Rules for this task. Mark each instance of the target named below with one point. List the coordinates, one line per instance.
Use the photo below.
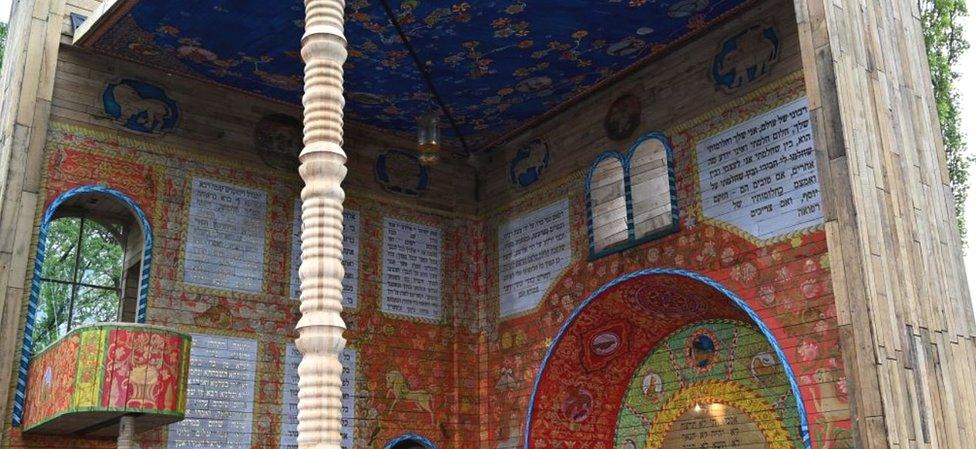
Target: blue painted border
(625, 159)
(794, 385)
(414, 437)
(26, 350)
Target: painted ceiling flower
(501, 22)
(515, 8)
(454, 60)
(169, 30)
(580, 34)
(359, 16)
(196, 54)
(462, 12)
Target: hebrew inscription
(761, 175)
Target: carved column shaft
(127, 430)
(323, 169)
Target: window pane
(51, 318)
(62, 246)
(101, 256)
(95, 305)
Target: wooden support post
(323, 169)
(127, 431)
(902, 301)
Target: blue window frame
(626, 161)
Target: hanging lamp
(429, 137)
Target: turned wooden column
(323, 169)
(127, 430)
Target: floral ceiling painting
(497, 63)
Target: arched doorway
(410, 441)
(660, 359)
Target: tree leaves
(3, 40)
(99, 264)
(942, 27)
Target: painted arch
(35, 288)
(604, 352)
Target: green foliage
(3, 40)
(942, 25)
(99, 264)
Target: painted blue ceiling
(497, 63)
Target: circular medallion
(278, 139)
(605, 343)
(577, 404)
(622, 118)
(702, 350)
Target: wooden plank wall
(903, 303)
(208, 125)
(28, 83)
(36, 28)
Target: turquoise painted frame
(739, 302)
(410, 436)
(26, 351)
(624, 160)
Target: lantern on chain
(429, 137)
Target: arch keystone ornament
(323, 169)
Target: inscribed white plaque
(220, 395)
(411, 269)
(350, 256)
(532, 250)
(761, 175)
(225, 236)
(289, 401)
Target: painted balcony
(83, 383)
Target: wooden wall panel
(212, 126)
(903, 301)
(25, 105)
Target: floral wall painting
(140, 107)
(401, 173)
(623, 117)
(278, 140)
(529, 162)
(746, 57)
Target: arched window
(607, 201)
(92, 265)
(631, 198)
